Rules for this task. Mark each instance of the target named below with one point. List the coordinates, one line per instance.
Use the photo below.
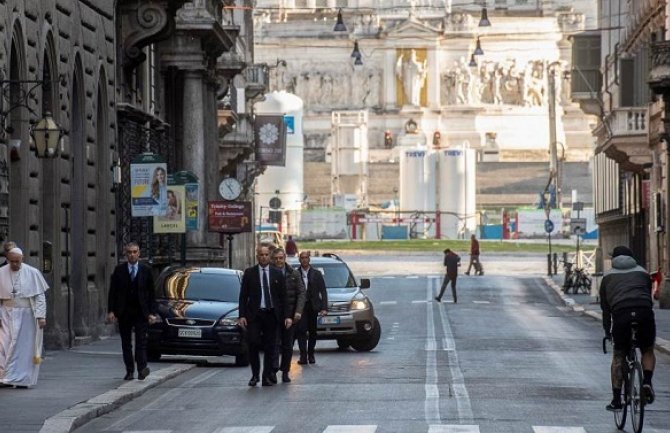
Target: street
(508, 358)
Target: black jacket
(119, 288)
(295, 290)
(316, 293)
(250, 294)
(626, 285)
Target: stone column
(194, 155)
(389, 79)
(433, 79)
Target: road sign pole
(549, 256)
(230, 250)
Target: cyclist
(625, 297)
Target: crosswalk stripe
(249, 429)
(419, 301)
(433, 428)
(351, 429)
(481, 302)
(147, 431)
(546, 429)
(388, 302)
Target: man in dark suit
(263, 308)
(316, 304)
(131, 302)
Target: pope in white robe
(22, 318)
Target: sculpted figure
(413, 76)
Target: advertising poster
(270, 135)
(174, 220)
(191, 206)
(148, 185)
(229, 216)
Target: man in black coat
(316, 304)
(263, 308)
(295, 299)
(131, 302)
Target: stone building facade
(415, 60)
(121, 78)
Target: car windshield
(336, 275)
(201, 286)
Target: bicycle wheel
(620, 415)
(635, 398)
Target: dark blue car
(198, 310)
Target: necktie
(133, 272)
(266, 289)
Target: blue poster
(289, 121)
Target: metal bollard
(549, 264)
(555, 263)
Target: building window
(586, 75)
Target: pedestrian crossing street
(435, 428)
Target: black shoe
(266, 381)
(302, 360)
(467, 273)
(20, 387)
(253, 381)
(272, 377)
(143, 373)
(129, 376)
(285, 378)
(311, 359)
(438, 299)
(648, 393)
(614, 406)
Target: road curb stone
(74, 417)
(662, 345)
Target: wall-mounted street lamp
(339, 25)
(484, 20)
(47, 136)
(473, 61)
(478, 49)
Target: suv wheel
(242, 360)
(343, 344)
(153, 355)
(371, 341)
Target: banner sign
(229, 216)
(191, 197)
(148, 185)
(290, 124)
(270, 136)
(174, 221)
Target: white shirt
(260, 273)
(304, 273)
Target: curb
(662, 345)
(81, 413)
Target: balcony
(625, 137)
(257, 80)
(659, 77)
(627, 122)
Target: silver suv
(351, 318)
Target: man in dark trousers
(451, 261)
(291, 247)
(316, 303)
(131, 302)
(263, 308)
(295, 299)
(474, 257)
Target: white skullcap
(15, 250)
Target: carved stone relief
(498, 83)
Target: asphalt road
(508, 358)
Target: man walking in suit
(295, 299)
(263, 308)
(451, 261)
(131, 302)
(316, 303)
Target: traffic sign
(275, 203)
(578, 226)
(548, 226)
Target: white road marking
(250, 429)
(412, 277)
(481, 302)
(453, 429)
(457, 380)
(419, 301)
(387, 302)
(431, 406)
(544, 429)
(350, 429)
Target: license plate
(329, 320)
(189, 333)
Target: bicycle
(631, 390)
(577, 279)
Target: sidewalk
(76, 386)
(590, 306)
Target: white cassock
(22, 301)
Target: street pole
(553, 151)
(230, 250)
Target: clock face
(230, 188)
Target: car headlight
(360, 304)
(228, 321)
